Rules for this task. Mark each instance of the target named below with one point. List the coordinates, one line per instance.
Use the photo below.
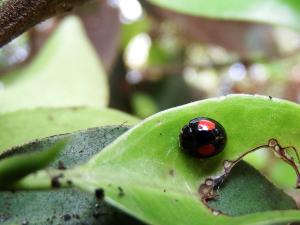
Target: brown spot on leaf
(55, 183)
(121, 192)
(50, 118)
(172, 172)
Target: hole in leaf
(246, 191)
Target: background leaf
(258, 11)
(25, 125)
(14, 167)
(66, 73)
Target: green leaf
(282, 174)
(14, 167)
(69, 206)
(19, 127)
(66, 73)
(266, 11)
(146, 174)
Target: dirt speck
(66, 217)
(55, 183)
(96, 214)
(99, 193)
(61, 165)
(76, 216)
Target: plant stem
(17, 16)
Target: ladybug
(202, 137)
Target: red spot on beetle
(206, 125)
(206, 150)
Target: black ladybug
(202, 137)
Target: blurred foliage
(255, 10)
(143, 105)
(49, 81)
(15, 52)
(129, 30)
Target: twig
(17, 16)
